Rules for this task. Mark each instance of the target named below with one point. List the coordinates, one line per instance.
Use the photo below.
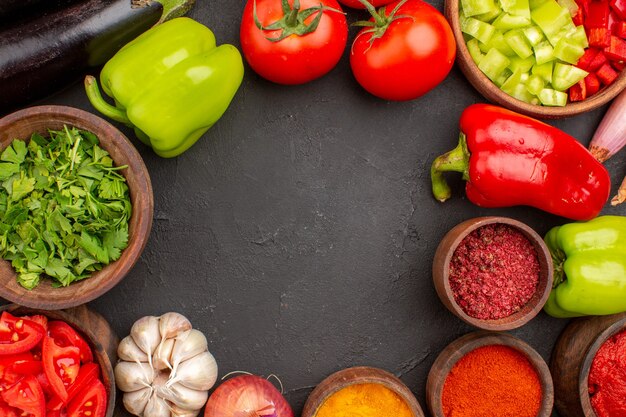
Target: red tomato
(64, 335)
(91, 401)
(86, 375)
(61, 365)
(26, 396)
(356, 4)
(413, 55)
(6, 410)
(18, 335)
(296, 59)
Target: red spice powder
(494, 272)
(492, 381)
(607, 378)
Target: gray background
(298, 233)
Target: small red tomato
(294, 44)
(406, 51)
(356, 4)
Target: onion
(247, 395)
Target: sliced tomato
(57, 413)
(13, 366)
(61, 365)
(91, 401)
(6, 410)
(64, 335)
(27, 397)
(39, 319)
(45, 385)
(18, 334)
(86, 375)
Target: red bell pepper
(592, 84)
(585, 61)
(619, 7)
(616, 51)
(619, 30)
(578, 92)
(606, 74)
(509, 159)
(598, 14)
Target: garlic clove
(181, 412)
(145, 333)
(133, 376)
(188, 345)
(135, 402)
(184, 397)
(172, 324)
(198, 373)
(156, 407)
(129, 351)
(162, 355)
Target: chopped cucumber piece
(509, 85)
(570, 5)
(474, 50)
(534, 35)
(522, 64)
(544, 71)
(579, 36)
(489, 16)
(517, 7)
(476, 7)
(520, 92)
(508, 21)
(493, 64)
(544, 52)
(564, 76)
(551, 18)
(569, 51)
(517, 41)
(502, 78)
(550, 97)
(497, 41)
(535, 3)
(477, 29)
(535, 84)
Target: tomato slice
(87, 373)
(64, 335)
(27, 396)
(91, 401)
(6, 410)
(18, 334)
(12, 367)
(57, 413)
(39, 319)
(61, 365)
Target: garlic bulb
(165, 368)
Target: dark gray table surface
(298, 233)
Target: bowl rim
(354, 376)
(467, 343)
(585, 368)
(445, 252)
(492, 92)
(106, 365)
(141, 216)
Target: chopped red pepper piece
(616, 51)
(585, 61)
(619, 66)
(599, 37)
(597, 61)
(619, 30)
(619, 7)
(592, 84)
(597, 15)
(606, 74)
(578, 92)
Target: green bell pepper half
(171, 84)
(589, 268)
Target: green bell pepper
(589, 267)
(171, 84)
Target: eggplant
(14, 10)
(42, 55)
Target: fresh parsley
(64, 207)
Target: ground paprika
(607, 378)
(492, 381)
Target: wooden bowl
(572, 357)
(359, 375)
(22, 124)
(441, 273)
(492, 93)
(96, 331)
(465, 344)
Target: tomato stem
(382, 20)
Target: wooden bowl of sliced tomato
(52, 364)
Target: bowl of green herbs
(76, 207)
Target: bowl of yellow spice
(362, 391)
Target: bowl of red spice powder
(589, 367)
(488, 374)
(494, 273)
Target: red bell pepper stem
(621, 194)
(457, 160)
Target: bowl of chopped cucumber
(76, 207)
(543, 58)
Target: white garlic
(166, 369)
(129, 351)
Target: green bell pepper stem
(171, 8)
(457, 160)
(98, 102)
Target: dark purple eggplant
(45, 54)
(14, 10)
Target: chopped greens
(64, 207)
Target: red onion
(247, 396)
(610, 137)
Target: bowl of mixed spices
(589, 367)
(75, 207)
(362, 391)
(494, 273)
(489, 374)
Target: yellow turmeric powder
(364, 400)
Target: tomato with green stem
(356, 4)
(293, 41)
(405, 50)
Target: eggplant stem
(175, 8)
(98, 102)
